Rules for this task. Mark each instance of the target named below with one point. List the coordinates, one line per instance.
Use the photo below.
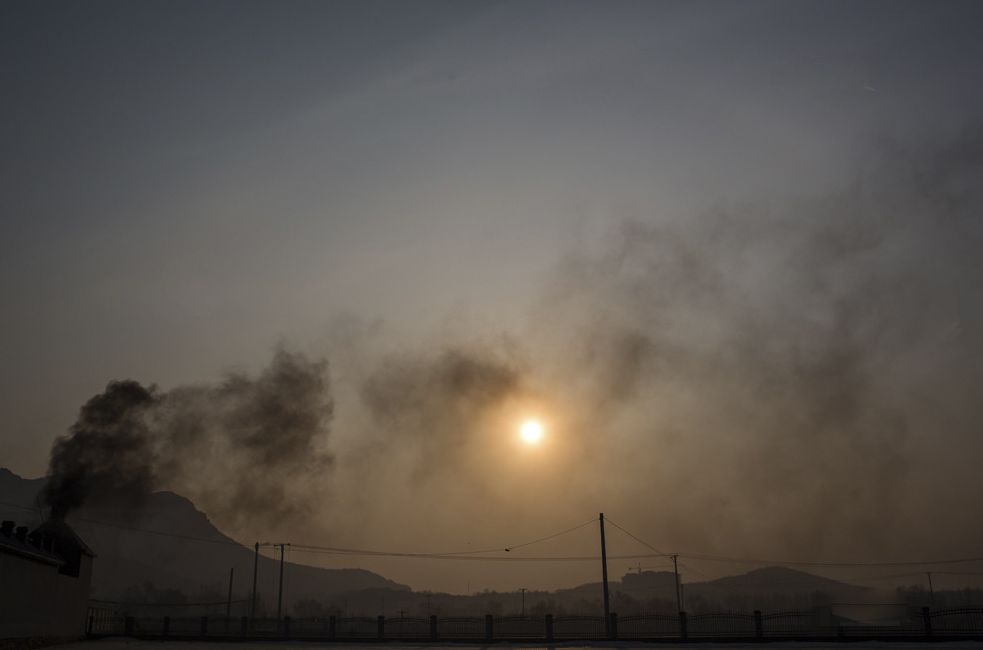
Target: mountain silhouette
(171, 545)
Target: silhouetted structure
(46, 577)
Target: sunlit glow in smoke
(531, 432)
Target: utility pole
(279, 598)
(228, 604)
(523, 590)
(279, 603)
(252, 611)
(604, 578)
(675, 570)
(931, 592)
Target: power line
(470, 555)
(461, 555)
(637, 539)
(715, 558)
(893, 576)
(692, 570)
(779, 563)
(160, 532)
(958, 573)
(447, 556)
(587, 523)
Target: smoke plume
(793, 379)
(794, 373)
(437, 404)
(785, 379)
(240, 449)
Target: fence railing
(818, 624)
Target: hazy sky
(729, 252)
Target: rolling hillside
(171, 545)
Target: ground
(118, 643)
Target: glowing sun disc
(531, 431)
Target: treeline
(919, 596)
(148, 600)
(536, 603)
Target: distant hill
(171, 545)
(186, 553)
(17, 496)
(776, 579)
(769, 589)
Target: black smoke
(106, 451)
(240, 448)
(792, 378)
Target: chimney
(21, 534)
(7, 528)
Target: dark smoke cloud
(111, 433)
(794, 379)
(241, 449)
(791, 378)
(781, 370)
(436, 403)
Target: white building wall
(38, 602)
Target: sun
(531, 431)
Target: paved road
(123, 643)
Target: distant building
(649, 581)
(46, 577)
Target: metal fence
(819, 624)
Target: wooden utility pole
(228, 604)
(279, 603)
(675, 570)
(279, 598)
(604, 579)
(252, 610)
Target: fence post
(682, 626)
(758, 630)
(381, 622)
(927, 621)
(286, 626)
(166, 629)
(433, 627)
(88, 627)
(489, 627)
(332, 627)
(614, 626)
(204, 626)
(128, 626)
(244, 625)
(549, 627)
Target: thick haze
(317, 262)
